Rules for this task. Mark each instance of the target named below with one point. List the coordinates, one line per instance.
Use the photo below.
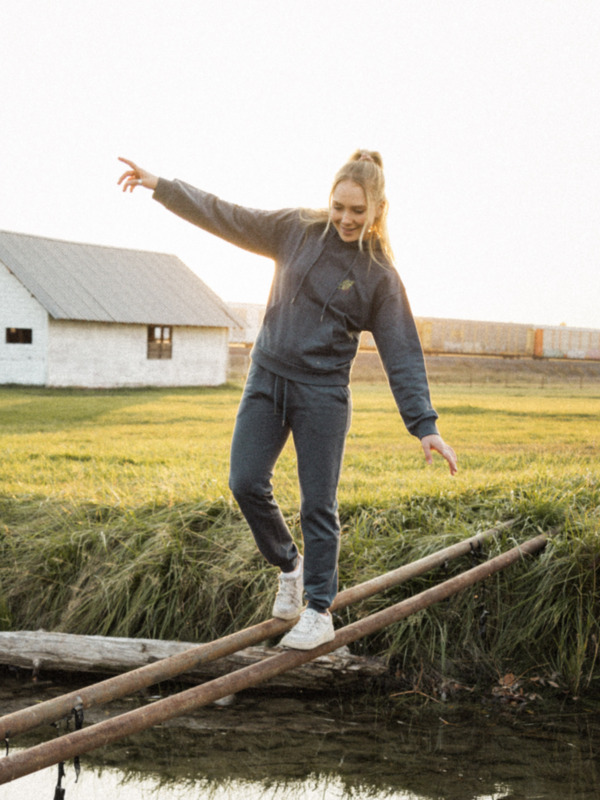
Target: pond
(305, 747)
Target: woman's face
(349, 210)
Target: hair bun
(367, 155)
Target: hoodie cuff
(426, 428)
(161, 189)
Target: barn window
(19, 336)
(160, 341)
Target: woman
(334, 277)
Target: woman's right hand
(136, 176)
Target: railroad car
(564, 342)
(470, 337)
(474, 337)
(465, 337)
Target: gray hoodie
(325, 292)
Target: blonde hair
(365, 168)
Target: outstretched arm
(136, 176)
(261, 232)
(435, 442)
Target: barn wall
(21, 363)
(111, 355)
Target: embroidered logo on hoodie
(345, 285)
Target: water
(304, 748)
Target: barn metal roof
(108, 284)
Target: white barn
(100, 317)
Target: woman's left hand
(136, 176)
(435, 442)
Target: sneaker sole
(290, 616)
(306, 645)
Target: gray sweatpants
(318, 418)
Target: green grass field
(115, 518)
(159, 446)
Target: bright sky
(486, 113)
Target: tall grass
(115, 518)
(181, 571)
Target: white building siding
(102, 355)
(21, 363)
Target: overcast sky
(486, 112)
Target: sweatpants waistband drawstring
(275, 394)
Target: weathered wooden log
(46, 651)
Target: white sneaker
(288, 603)
(311, 630)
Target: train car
(563, 342)
(470, 337)
(475, 337)
(464, 337)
